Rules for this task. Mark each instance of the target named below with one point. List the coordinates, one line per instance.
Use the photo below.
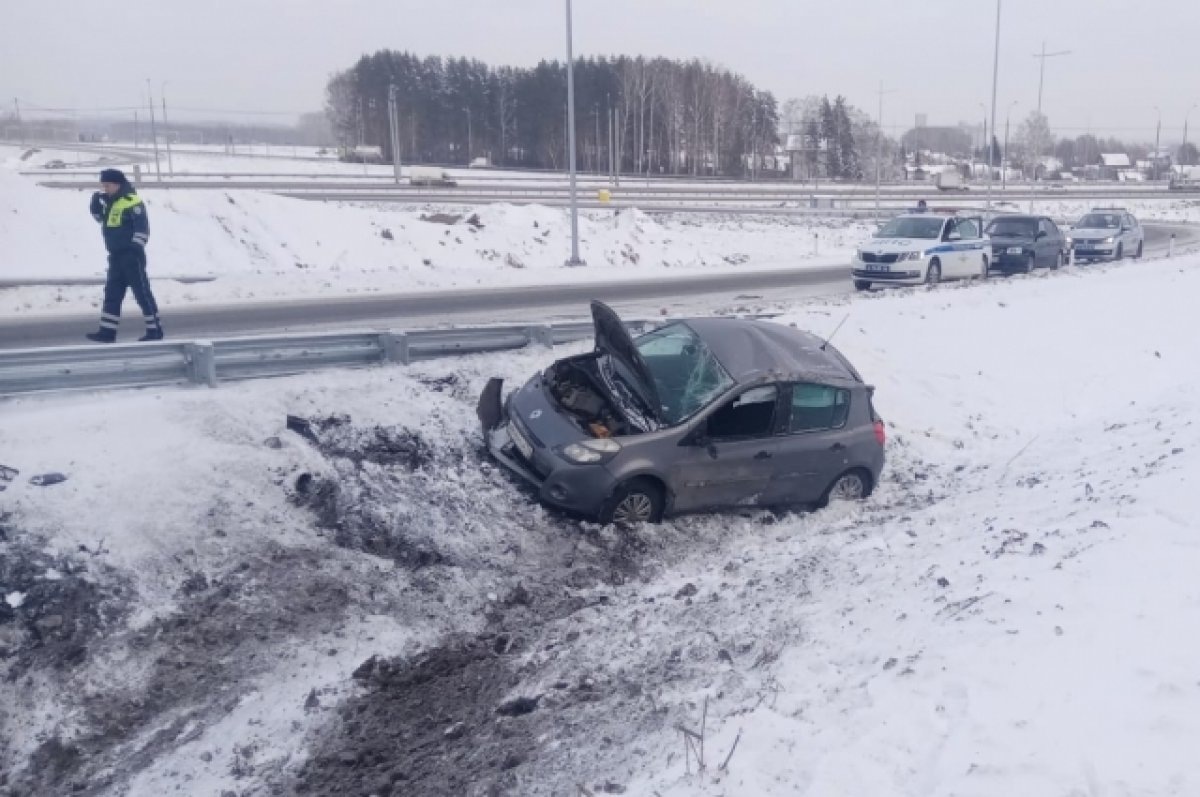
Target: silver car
(1107, 234)
(695, 415)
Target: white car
(921, 248)
(1107, 234)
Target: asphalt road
(707, 292)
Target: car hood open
(613, 339)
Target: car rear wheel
(634, 502)
(933, 275)
(853, 485)
(986, 269)
(862, 285)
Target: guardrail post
(395, 347)
(202, 360)
(541, 335)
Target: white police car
(921, 248)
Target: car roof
(751, 348)
(1018, 217)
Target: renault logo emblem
(533, 416)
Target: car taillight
(880, 433)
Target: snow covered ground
(210, 604)
(260, 246)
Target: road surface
(538, 303)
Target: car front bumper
(910, 272)
(1003, 261)
(1105, 252)
(578, 489)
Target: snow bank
(1008, 614)
(262, 246)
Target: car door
(1134, 236)
(1054, 242)
(967, 247)
(951, 256)
(812, 449)
(729, 458)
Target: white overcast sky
(936, 55)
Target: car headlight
(908, 256)
(1110, 239)
(1070, 241)
(591, 451)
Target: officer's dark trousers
(127, 272)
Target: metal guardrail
(25, 371)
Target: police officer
(126, 227)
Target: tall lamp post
(995, 79)
(574, 261)
(1157, 141)
(879, 148)
(1183, 146)
(468, 110)
(1004, 161)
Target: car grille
(871, 257)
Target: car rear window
(817, 407)
(1012, 227)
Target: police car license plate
(877, 267)
(518, 439)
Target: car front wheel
(634, 502)
(1120, 255)
(934, 274)
(1141, 245)
(1058, 261)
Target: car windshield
(686, 373)
(1100, 221)
(909, 227)
(1012, 227)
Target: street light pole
(1004, 161)
(995, 79)
(574, 261)
(167, 131)
(1157, 140)
(394, 129)
(1183, 146)
(879, 148)
(468, 110)
(154, 131)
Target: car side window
(951, 231)
(818, 407)
(967, 228)
(751, 414)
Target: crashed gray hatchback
(695, 415)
